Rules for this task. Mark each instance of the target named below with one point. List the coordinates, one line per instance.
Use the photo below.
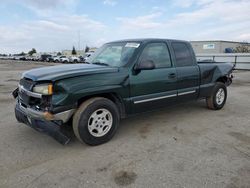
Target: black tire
(75, 61)
(56, 61)
(212, 103)
(65, 61)
(82, 117)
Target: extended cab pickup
(122, 78)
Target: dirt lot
(183, 146)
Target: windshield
(114, 54)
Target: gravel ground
(182, 146)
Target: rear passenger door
(188, 73)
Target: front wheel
(218, 97)
(96, 121)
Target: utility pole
(79, 40)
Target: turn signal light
(48, 116)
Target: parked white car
(74, 59)
(18, 57)
(87, 56)
(64, 59)
(56, 59)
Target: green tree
(86, 49)
(22, 54)
(32, 51)
(73, 51)
(59, 54)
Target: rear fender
(224, 73)
(211, 73)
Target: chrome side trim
(187, 92)
(153, 99)
(29, 93)
(164, 97)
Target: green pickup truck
(122, 78)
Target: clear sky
(55, 25)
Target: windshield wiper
(99, 63)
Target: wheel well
(222, 79)
(111, 96)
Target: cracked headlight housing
(44, 89)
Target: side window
(183, 55)
(157, 52)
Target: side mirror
(145, 65)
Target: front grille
(24, 98)
(28, 85)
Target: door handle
(172, 75)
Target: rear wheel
(218, 97)
(96, 121)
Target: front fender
(69, 91)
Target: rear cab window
(183, 55)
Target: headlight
(45, 89)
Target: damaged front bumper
(39, 123)
(45, 122)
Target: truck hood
(53, 73)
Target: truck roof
(148, 40)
